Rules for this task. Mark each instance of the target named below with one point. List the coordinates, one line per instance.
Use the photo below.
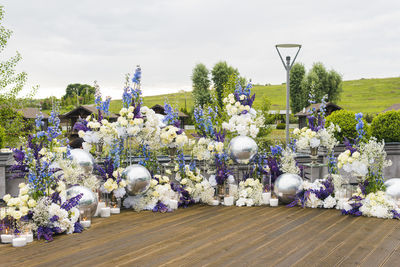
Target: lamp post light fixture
(288, 66)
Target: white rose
(81, 134)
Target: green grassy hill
(365, 95)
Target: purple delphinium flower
(72, 202)
(78, 228)
(161, 207)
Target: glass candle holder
(85, 217)
(19, 240)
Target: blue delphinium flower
(276, 150)
(360, 126)
(171, 115)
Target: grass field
(365, 95)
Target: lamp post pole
(288, 66)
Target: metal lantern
(393, 188)
(286, 186)
(242, 149)
(137, 179)
(89, 198)
(84, 159)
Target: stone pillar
(4, 161)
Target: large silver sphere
(286, 186)
(393, 188)
(84, 159)
(89, 199)
(137, 179)
(242, 149)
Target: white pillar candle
(215, 202)
(115, 210)
(273, 202)
(19, 242)
(86, 224)
(105, 212)
(100, 205)
(6, 238)
(28, 237)
(228, 201)
(266, 197)
(173, 204)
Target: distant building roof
(31, 113)
(330, 107)
(160, 110)
(89, 109)
(393, 107)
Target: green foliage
(74, 93)
(201, 84)
(281, 126)
(347, 123)
(263, 134)
(298, 98)
(386, 126)
(220, 76)
(2, 137)
(321, 82)
(11, 84)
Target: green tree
(220, 76)
(298, 99)
(201, 84)
(11, 84)
(321, 82)
(85, 94)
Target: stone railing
(10, 186)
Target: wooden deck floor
(220, 236)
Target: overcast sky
(64, 42)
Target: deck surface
(220, 236)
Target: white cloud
(82, 41)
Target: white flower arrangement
(313, 201)
(19, 206)
(72, 173)
(170, 137)
(234, 107)
(307, 138)
(250, 193)
(126, 125)
(200, 149)
(159, 190)
(371, 155)
(353, 163)
(197, 186)
(378, 205)
(288, 162)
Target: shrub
(386, 126)
(281, 126)
(347, 123)
(2, 136)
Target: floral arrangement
(243, 119)
(190, 178)
(48, 215)
(172, 135)
(316, 135)
(318, 194)
(72, 173)
(288, 162)
(250, 193)
(157, 198)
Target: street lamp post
(288, 66)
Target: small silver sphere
(286, 186)
(242, 149)
(89, 198)
(137, 179)
(393, 188)
(84, 159)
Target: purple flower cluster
(185, 200)
(161, 207)
(356, 205)
(248, 100)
